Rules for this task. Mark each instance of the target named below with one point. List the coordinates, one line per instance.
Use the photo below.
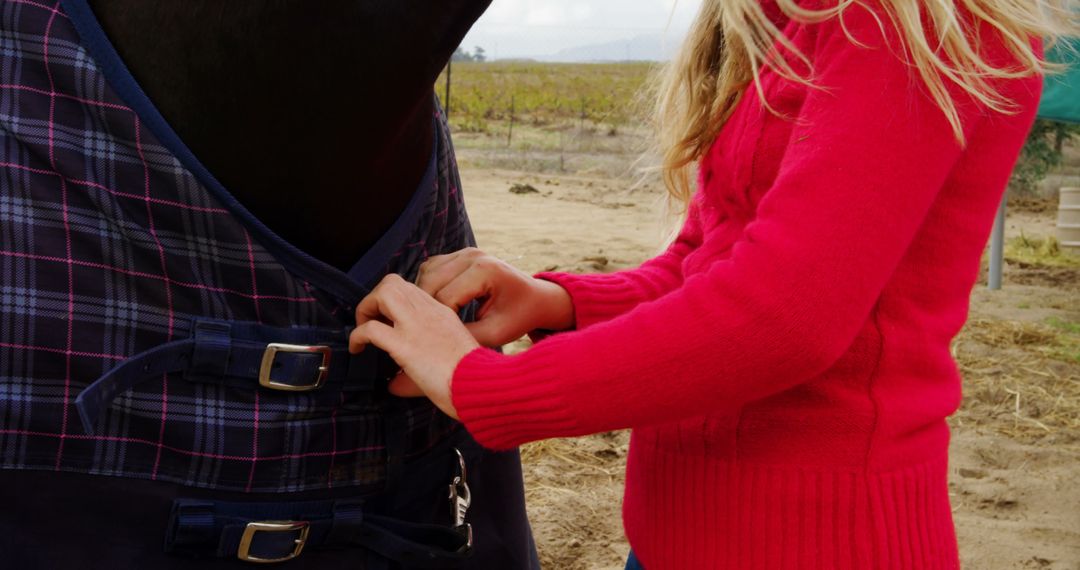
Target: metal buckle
(268, 364)
(460, 500)
(272, 526)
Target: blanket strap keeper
(277, 532)
(245, 355)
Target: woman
(785, 363)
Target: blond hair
(733, 40)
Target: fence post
(562, 148)
(510, 135)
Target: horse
(316, 115)
(214, 147)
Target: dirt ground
(1016, 445)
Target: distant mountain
(640, 48)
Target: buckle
(268, 364)
(460, 501)
(244, 552)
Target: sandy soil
(1016, 445)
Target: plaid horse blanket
(137, 297)
(114, 240)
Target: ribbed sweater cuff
(505, 401)
(597, 297)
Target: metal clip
(460, 499)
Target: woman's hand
(425, 338)
(514, 303)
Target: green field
(540, 94)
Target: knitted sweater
(785, 364)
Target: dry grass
(1036, 260)
(1035, 250)
(1021, 379)
(544, 93)
(575, 487)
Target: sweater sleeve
(867, 157)
(601, 297)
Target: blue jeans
(632, 563)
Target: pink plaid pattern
(110, 246)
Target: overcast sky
(523, 28)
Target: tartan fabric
(110, 245)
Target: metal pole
(997, 248)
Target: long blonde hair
(733, 40)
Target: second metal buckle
(460, 500)
(271, 353)
(244, 552)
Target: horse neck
(287, 97)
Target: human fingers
(473, 283)
(382, 301)
(380, 334)
(435, 261)
(403, 386)
(494, 330)
(437, 271)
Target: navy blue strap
(215, 528)
(231, 353)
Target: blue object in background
(1061, 92)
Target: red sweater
(785, 364)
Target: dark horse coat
(332, 98)
(137, 301)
